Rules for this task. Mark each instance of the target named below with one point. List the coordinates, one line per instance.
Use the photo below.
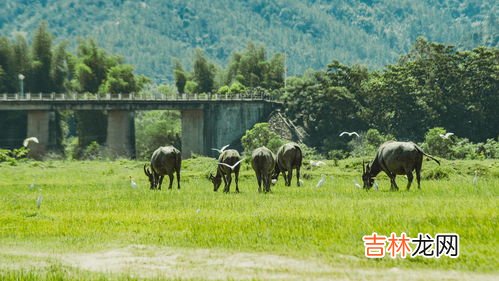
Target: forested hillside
(150, 34)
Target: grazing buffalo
(289, 157)
(228, 162)
(164, 161)
(395, 158)
(263, 162)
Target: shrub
(261, 135)
(368, 142)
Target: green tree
(22, 60)
(203, 73)
(260, 135)
(180, 77)
(42, 59)
(59, 68)
(120, 79)
(8, 78)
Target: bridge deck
(73, 101)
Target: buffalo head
(150, 175)
(367, 178)
(217, 181)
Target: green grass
(90, 206)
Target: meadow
(90, 207)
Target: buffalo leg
(418, 173)
(290, 176)
(259, 179)
(159, 181)
(298, 176)
(237, 181)
(393, 183)
(227, 183)
(410, 178)
(178, 179)
(285, 178)
(170, 176)
(267, 183)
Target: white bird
(273, 181)
(32, 185)
(133, 184)
(321, 181)
(39, 201)
(349, 134)
(376, 186)
(447, 135)
(301, 182)
(356, 184)
(475, 178)
(28, 140)
(220, 150)
(233, 166)
(316, 163)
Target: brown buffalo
(263, 163)
(165, 160)
(228, 162)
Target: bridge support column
(120, 138)
(192, 132)
(38, 126)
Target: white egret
(475, 178)
(446, 136)
(356, 184)
(39, 201)
(316, 163)
(349, 134)
(28, 140)
(233, 166)
(220, 150)
(133, 184)
(321, 181)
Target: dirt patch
(147, 261)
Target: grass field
(89, 213)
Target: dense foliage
(433, 85)
(151, 34)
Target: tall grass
(88, 206)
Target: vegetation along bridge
(208, 120)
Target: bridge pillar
(192, 132)
(120, 140)
(227, 123)
(38, 126)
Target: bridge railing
(134, 96)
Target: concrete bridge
(208, 120)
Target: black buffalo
(165, 160)
(228, 162)
(289, 157)
(263, 163)
(395, 158)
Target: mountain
(150, 34)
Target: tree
(120, 79)
(180, 77)
(8, 78)
(59, 68)
(260, 135)
(22, 60)
(42, 59)
(204, 73)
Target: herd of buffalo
(393, 158)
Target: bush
(92, 152)
(155, 129)
(368, 143)
(435, 145)
(261, 135)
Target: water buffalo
(164, 161)
(395, 158)
(263, 162)
(228, 162)
(289, 157)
